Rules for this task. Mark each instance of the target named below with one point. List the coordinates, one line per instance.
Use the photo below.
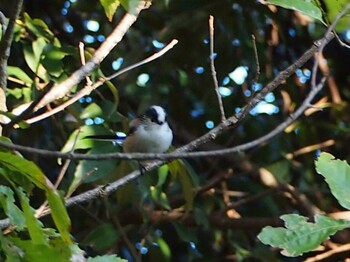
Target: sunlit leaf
(337, 175)
(300, 236)
(19, 74)
(333, 9)
(308, 8)
(110, 6)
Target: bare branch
(6, 42)
(89, 88)
(213, 71)
(62, 89)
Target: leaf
(300, 236)
(19, 74)
(55, 250)
(102, 237)
(35, 227)
(12, 211)
(90, 171)
(77, 139)
(333, 8)
(177, 168)
(33, 173)
(110, 7)
(91, 111)
(52, 59)
(132, 6)
(337, 175)
(11, 251)
(308, 8)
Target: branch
(180, 152)
(212, 66)
(60, 90)
(6, 41)
(89, 88)
(211, 135)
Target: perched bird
(148, 133)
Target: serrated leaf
(11, 251)
(300, 236)
(337, 175)
(110, 7)
(306, 7)
(31, 171)
(12, 211)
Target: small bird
(148, 133)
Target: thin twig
(257, 64)
(62, 89)
(211, 135)
(83, 62)
(328, 254)
(213, 71)
(89, 88)
(180, 152)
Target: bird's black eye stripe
(153, 116)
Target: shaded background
(234, 196)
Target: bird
(148, 133)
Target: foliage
(194, 209)
(299, 236)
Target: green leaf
(19, 74)
(11, 251)
(33, 173)
(300, 236)
(106, 258)
(35, 227)
(55, 250)
(12, 211)
(160, 197)
(89, 171)
(177, 168)
(52, 59)
(131, 5)
(110, 7)
(333, 9)
(59, 214)
(91, 111)
(78, 140)
(306, 7)
(337, 175)
(102, 237)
